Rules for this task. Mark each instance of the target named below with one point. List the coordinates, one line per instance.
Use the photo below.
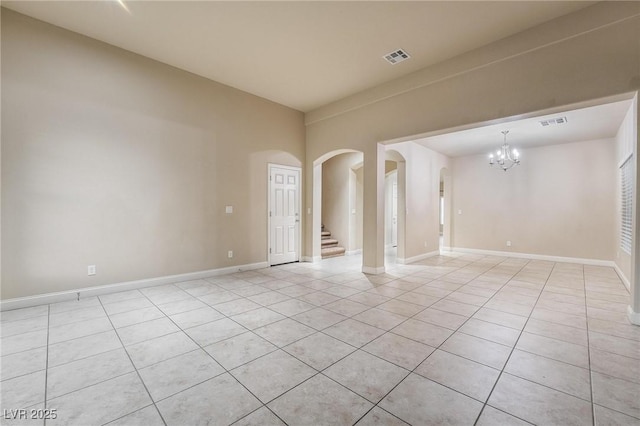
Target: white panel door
(284, 215)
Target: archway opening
(337, 204)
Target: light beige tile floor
(454, 339)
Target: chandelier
(505, 157)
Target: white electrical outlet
(460, 211)
(508, 243)
(228, 209)
(91, 270)
(230, 254)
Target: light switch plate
(228, 209)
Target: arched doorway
(337, 187)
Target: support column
(373, 220)
(316, 230)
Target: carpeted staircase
(330, 247)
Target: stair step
(325, 233)
(329, 242)
(326, 237)
(332, 252)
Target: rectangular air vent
(396, 56)
(553, 121)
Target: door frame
(270, 166)
(389, 205)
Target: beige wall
(521, 74)
(588, 55)
(338, 197)
(112, 159)
(558, 202)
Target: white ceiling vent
(396, 56)
(553, 121)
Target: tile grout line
(46, 367)
(24, 319)
(543, 385)
(437, 348)
(227, 317)
(513, 348)
(586, 315)
(218, 363)
(136, 370)
(85, 357)
(589, 370)
(377, 307)
(229, 372)
(351, 317)
(562, 362)
(413, 370)
(318, 372)
(127, 414)
(93, 384)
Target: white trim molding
(311, 259)
(353, 252)
(634, 317)
(417, 258)
(83, 293)
(622, 277)
(583, 261)
(373, 271)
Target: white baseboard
(311, 259)
(418, 257)
(622, 276)
(83, 293)
(373, 271)
(583, 261)
(634, 317)
(353, 252)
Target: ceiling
(303, 54)
(591, 123)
